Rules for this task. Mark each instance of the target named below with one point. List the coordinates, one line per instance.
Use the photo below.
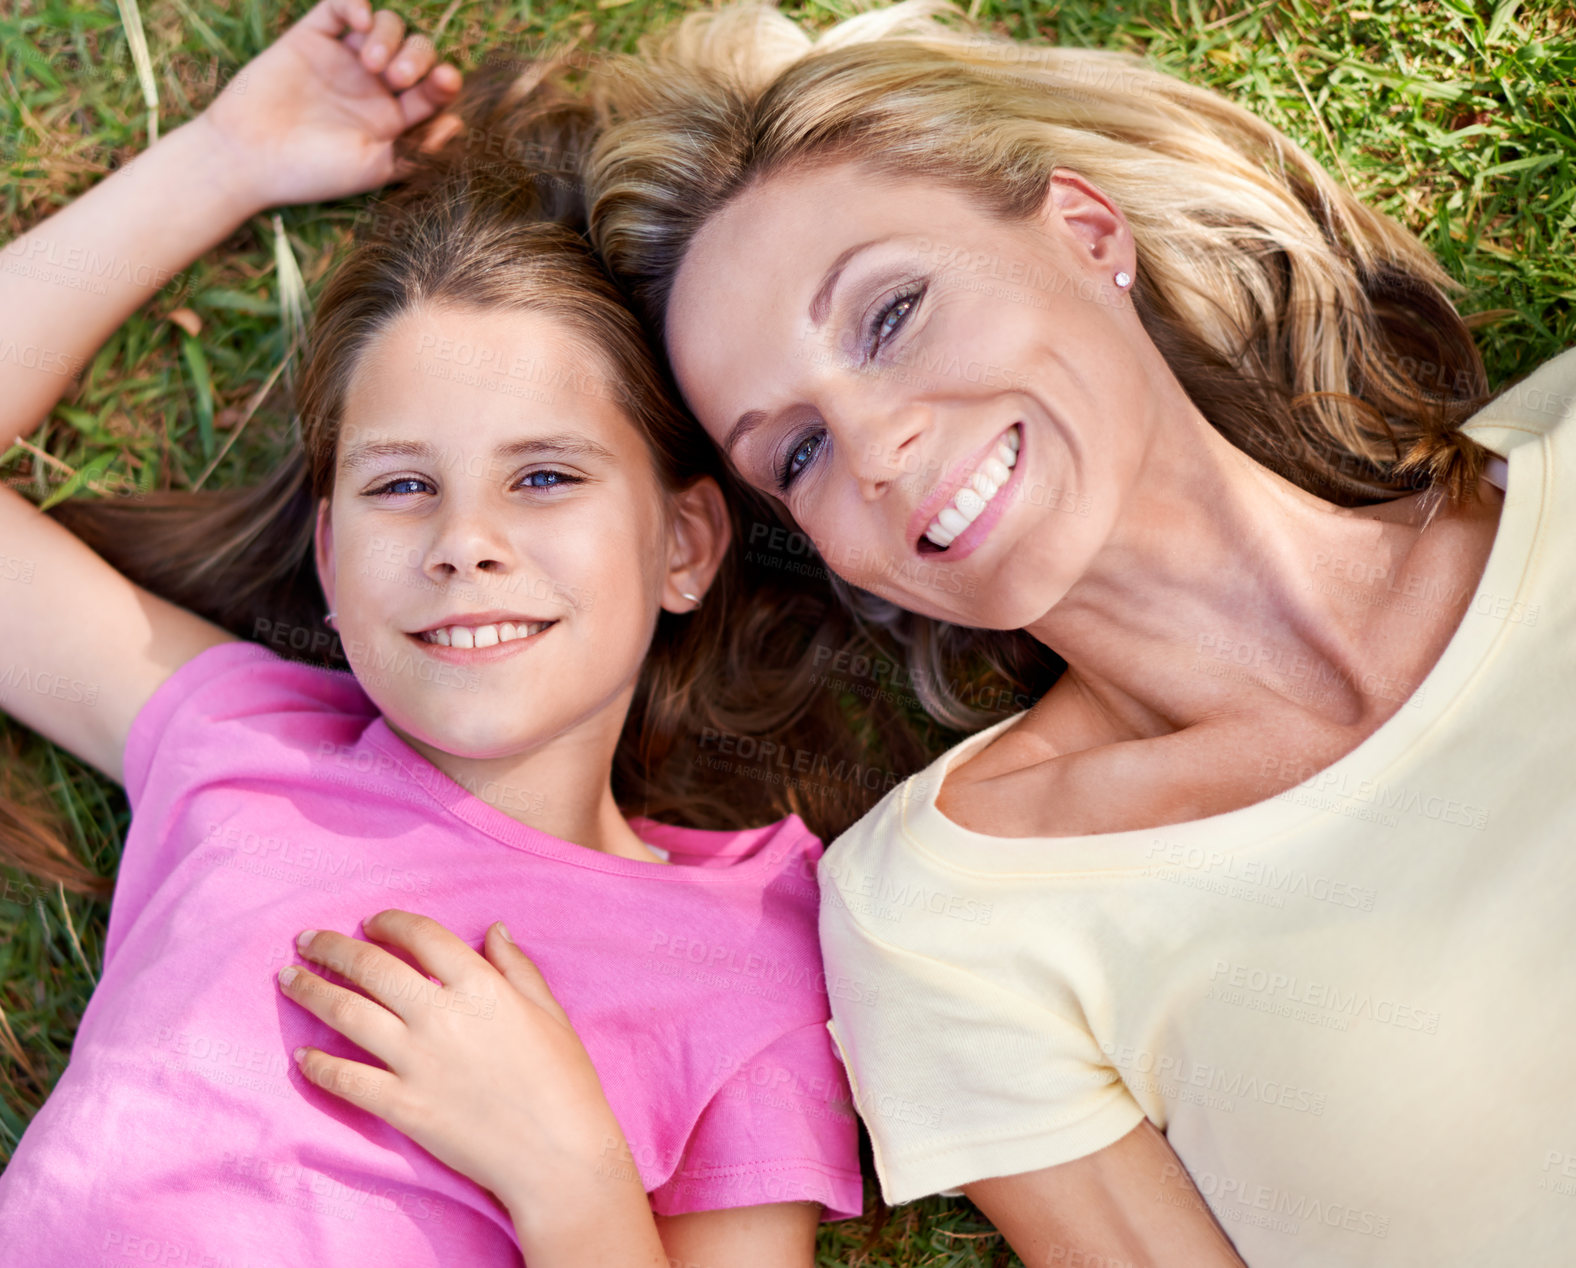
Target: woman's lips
(957, 516)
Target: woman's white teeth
(484, 635)
(976, 493)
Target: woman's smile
(972, 500)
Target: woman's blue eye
(802, 455)
(891, 318)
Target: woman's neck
(1224, 587)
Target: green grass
(1455, 117)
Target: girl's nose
(465, 544)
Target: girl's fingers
(352, 1081)
(332, 16)
(413, 60)
(440, 953)
(437, 90)
(389, 981)
(520, 972)
(364, 1023)
(388, 30)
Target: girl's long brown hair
(727, 729)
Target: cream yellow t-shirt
(1351, 1006)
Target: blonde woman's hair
(1314, 333)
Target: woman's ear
(323, 549)
(698, 535)
(1090, 223)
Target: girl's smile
(481, 637)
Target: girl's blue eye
(800, 457)
(405, 484)
(548, 479)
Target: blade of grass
(204, 31)
(87, 477)
(257, 399)
(137, 42)
(202, 381)
(71, 934)
(292, 295)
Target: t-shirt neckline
(489, 820)
(1261, 823)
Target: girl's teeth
(475, 636)
(974, 496)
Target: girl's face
(952, 407)
(498, 543)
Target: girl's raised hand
(485, 1072)
(316, 114)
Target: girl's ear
(323, 543)
(698, 537)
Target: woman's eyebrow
(821, 304)
(748, 422)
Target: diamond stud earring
(1123, 279)
(693, 598)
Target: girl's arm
(779, 1235)
(1131, 1203)
(485, 1072)
(314, 116)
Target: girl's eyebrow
(567, 445)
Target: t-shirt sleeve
(225, 686)
(957, 1079)
(780, 1129)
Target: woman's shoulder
(1538, 404)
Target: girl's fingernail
(300, 1055)
(503, 932)
(287, 975)
(305, 937)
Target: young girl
(521, 549)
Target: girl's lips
(479, 655)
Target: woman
(1049, 346)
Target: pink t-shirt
(268, 798)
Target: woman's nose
(885, 445)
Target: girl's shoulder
(232, 693)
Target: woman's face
(951, 406)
